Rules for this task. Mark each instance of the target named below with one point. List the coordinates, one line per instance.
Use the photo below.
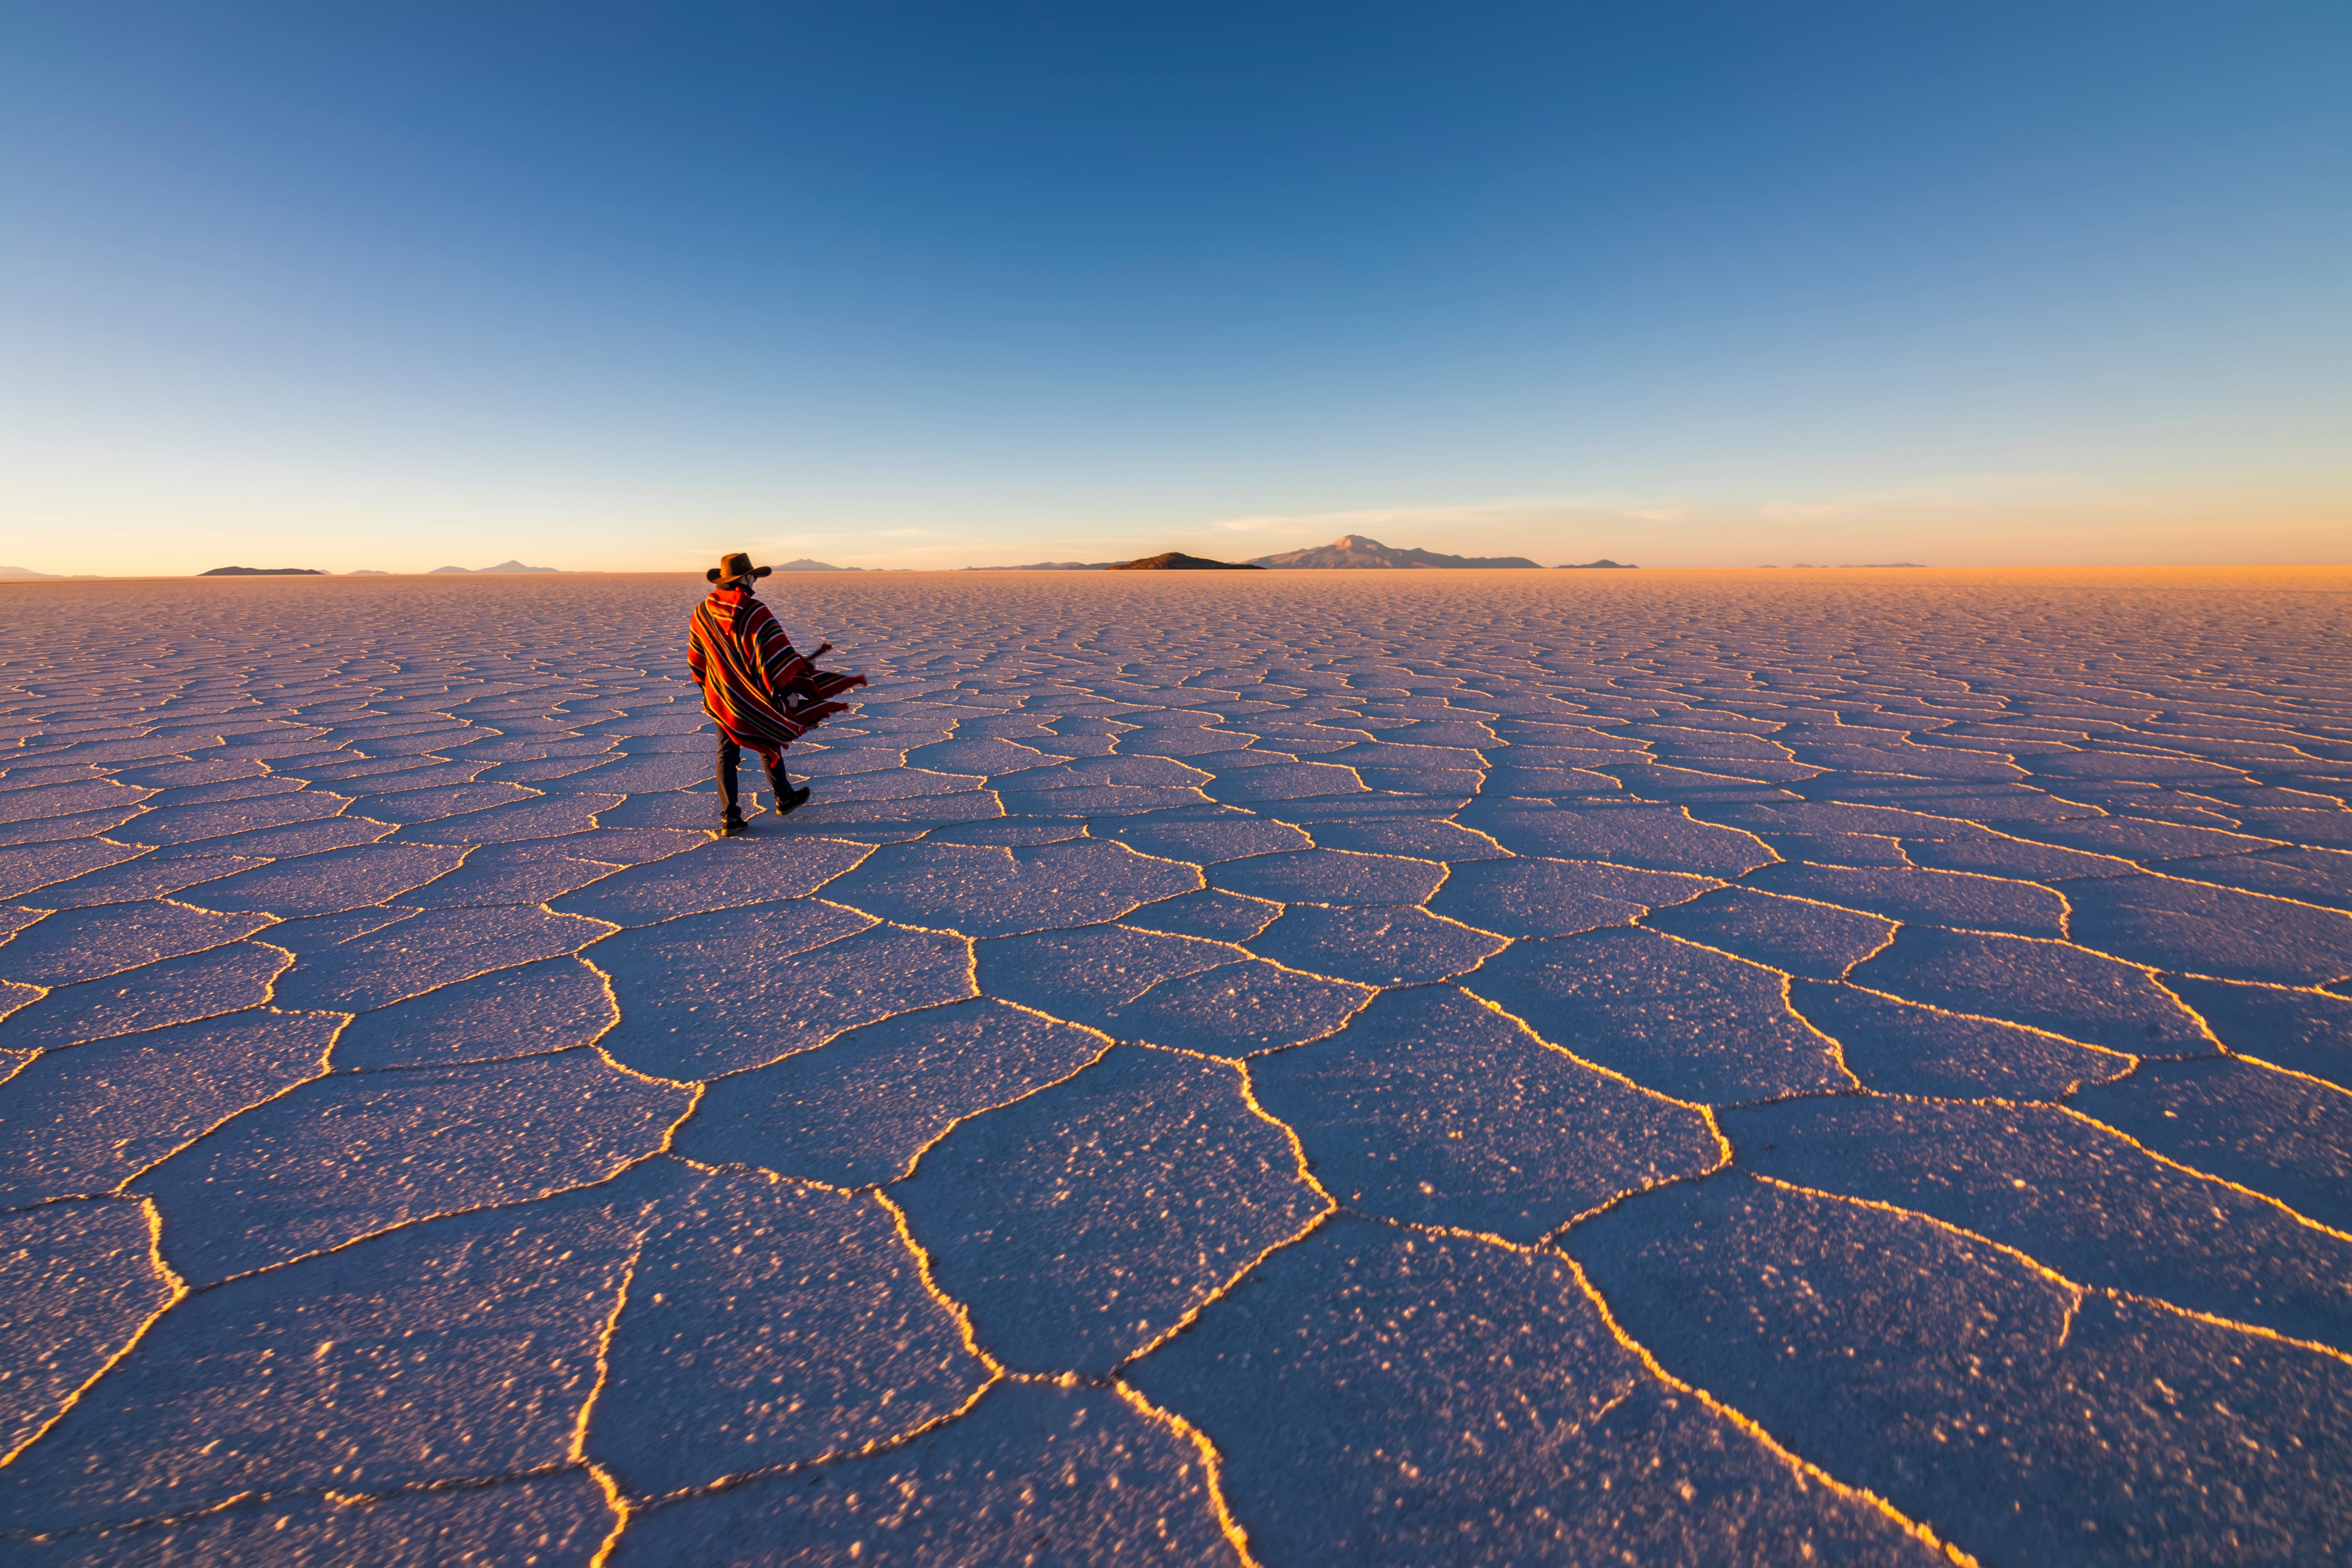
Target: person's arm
(830, 683)
(779, 660)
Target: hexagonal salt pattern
(1285, 1068)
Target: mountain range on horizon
(1354, 552)
(1350, 552)
(1050, 566)
(478, 571)
(1177, 561)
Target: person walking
(761, 693)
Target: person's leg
(729, 754)
(787, 798)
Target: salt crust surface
(1382, 1068)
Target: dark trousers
(729, 755)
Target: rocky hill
(1177, 561)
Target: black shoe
(788, 804)
(732, 824)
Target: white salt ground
(1301, 1069)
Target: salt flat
(1309, 1069)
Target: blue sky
(932, 285)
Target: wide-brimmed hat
(730, 567)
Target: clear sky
(395, 286)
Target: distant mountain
(1354, 550)
(805, 564)
(1177, 561)
(263, 571)
(20, 572)
(367, 572)
(1603, 564)
(477, 570)
(1050, 566)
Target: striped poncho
(763, 693)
